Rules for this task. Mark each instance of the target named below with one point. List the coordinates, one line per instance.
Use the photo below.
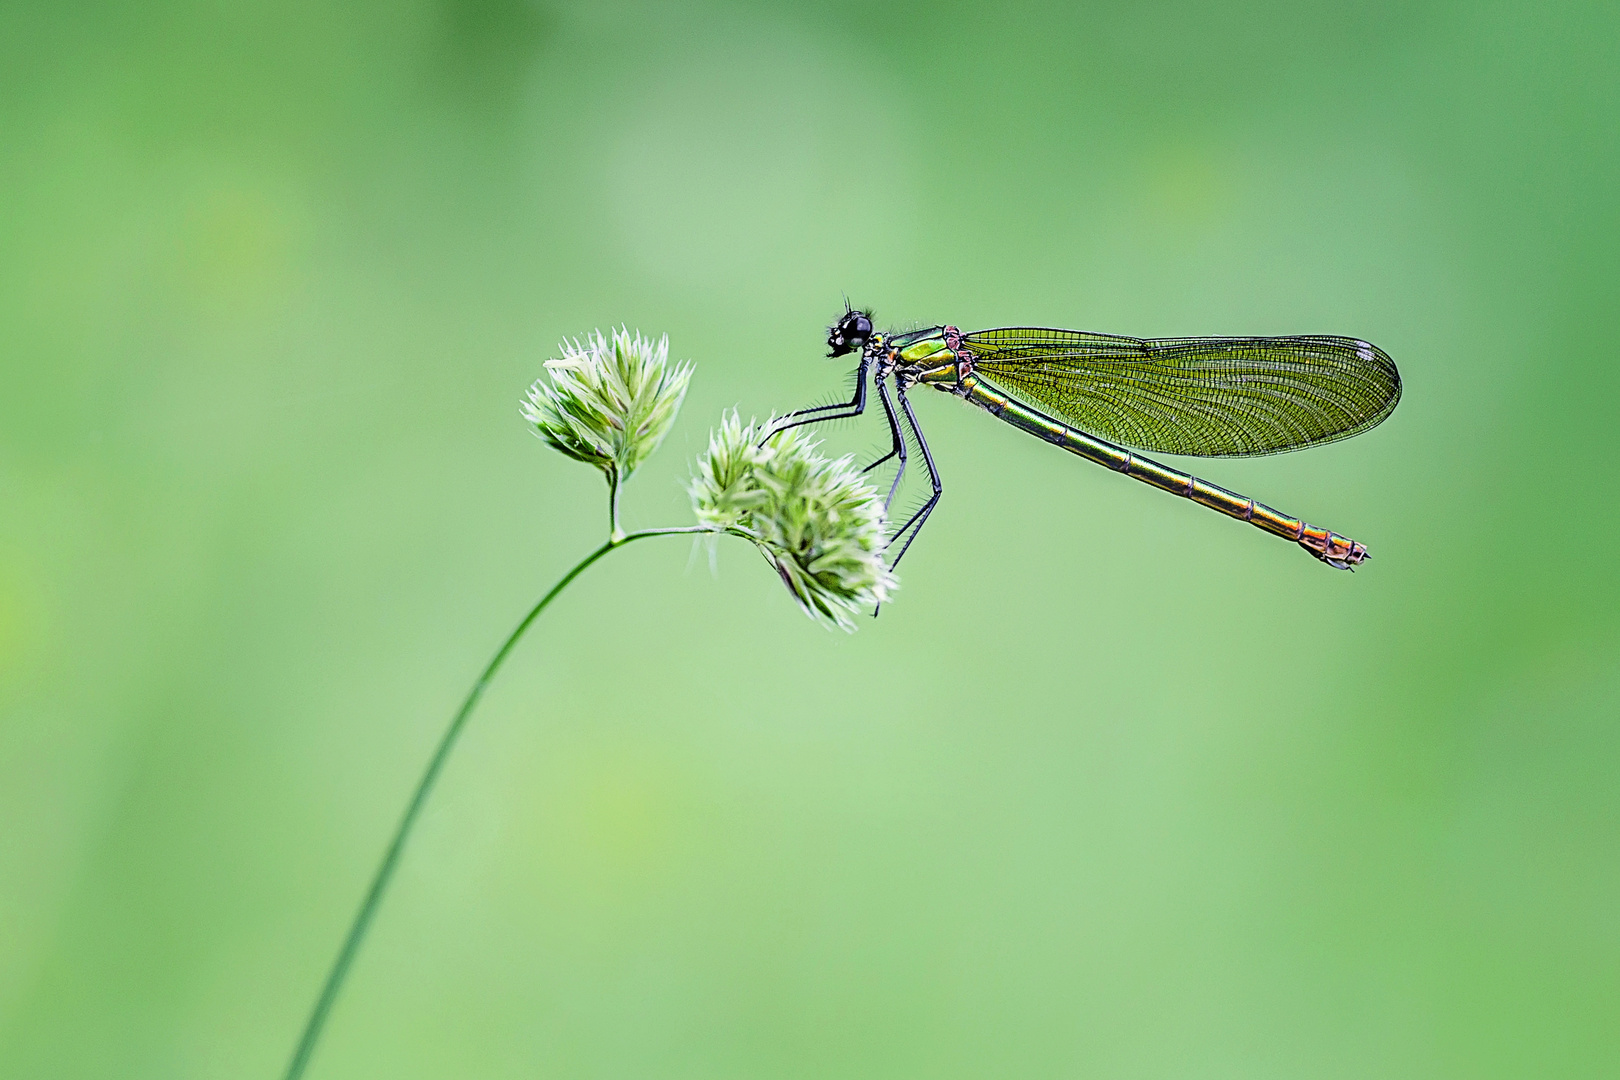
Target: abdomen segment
(1335, 550)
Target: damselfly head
(850, 333)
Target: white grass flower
(610, 401)
(815, 518)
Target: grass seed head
(815, 518)
(610, 401)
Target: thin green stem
(413, 809)
(614, 532)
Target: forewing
(1208, 397)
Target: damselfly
(1104, 397)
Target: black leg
(914, 526)
(879, 461)
(899, 450)
(853, 407)
(894, 429)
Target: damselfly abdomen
(1105, 397)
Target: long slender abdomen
(1333, 549)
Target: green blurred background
(1115, 788)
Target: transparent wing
(1207, 397)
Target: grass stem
(413, 809)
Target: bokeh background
(1116, 788)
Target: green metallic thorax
(931, 361)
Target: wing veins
(1202, 396)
